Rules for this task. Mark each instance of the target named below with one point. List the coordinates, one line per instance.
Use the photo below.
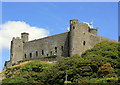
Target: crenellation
(79, 39)
(93, 31)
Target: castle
(80, 38)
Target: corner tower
(16, 51)
(78, 40)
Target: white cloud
(89, 24)
(68, 29)
(15, 28)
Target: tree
(106, 71)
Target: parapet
(24, 33)
(73, 21)
(93, 31)
(25, 37)
(16, 38)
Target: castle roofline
(74, 19)
(25, 33)
(47, 37)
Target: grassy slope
(105, 50)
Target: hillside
(97, 65)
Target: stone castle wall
(79, 39)
(53, 45)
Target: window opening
(73, 27)
(36, 53)
(50, 52)
(55, 49)
(42, 52)
(30, 55)
(84, 43)
(62, 48)
(25, 55)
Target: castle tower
(78, 37)
(16, 50)
(25, 37)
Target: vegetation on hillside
(97, 65)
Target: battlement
(93, 31)
(80, 38)
(73, 21)
(16, 38)
(75, 25)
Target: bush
(52, 56)
(28, 73)
(97, 65)
(15, 80)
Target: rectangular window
(42, 52)
(62, 48)
(50, 52)
(25, 55)
(36, 53)
(55, 49)
(30, 55)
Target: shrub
(52, 56)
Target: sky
(42, 19)
(60, 0)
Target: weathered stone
(79, 39)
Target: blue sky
(55, 17)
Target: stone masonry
(80, 38)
